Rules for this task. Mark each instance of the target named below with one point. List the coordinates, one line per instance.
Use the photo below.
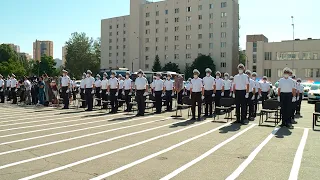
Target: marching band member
(300, 90)
(252, 91)
(141, 87)
(104, 89)
(89, 90)
(208, 83)
(196, 93)
(265, 88)
(127, 86)
(227, 85)
(158, 91)
(114, 92)
(97, 84)
(218, 90)
(1, 89)
(168, 86)
(82, 90)
(257, 94)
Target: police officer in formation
(82, 90)
(65, 87)
(227, 86)
(251, 97)
(8, 85)
(294, 103)
(218, 90)
(141, 86)
(1, 89)
(257, 93)
(208, 83)
(104, 89)
(300, 90)
(97, 84)
(14, 89)
(168, 86)
(89, 90)
(197, 94)
(265, 88)
(127, 91)
(114, 92)
(158, 92)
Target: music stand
(178, 84)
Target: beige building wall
(176, 30)
(64, 54)
(303, 56)
(41, 48)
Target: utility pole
(292, 18)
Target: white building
(269, 58)
(176, 30)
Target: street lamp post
(292, 18)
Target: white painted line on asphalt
(251, 157)
(83, 136)
(206, 154)
(298, 157)
(59, 127)
(112, 152)
(156, 154)
(81, 147)
(60, 122)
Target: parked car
(314, 94)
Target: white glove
(253, 97)
(84, 91)
(247, 95)
(294, 99)
(279, 98)
(268, 95)
(298, 98)
(92, 92)
(67, 91)
(145, 94)
(116, 94)
(130, 93)
(1, 90)
(172, 94)
(123, 93)
(108, 93)
(190, 96)
(202, 97)
(16, 90)
(9, 89)
(213, 95)
(153, 94)
(162, 95)
(100, 91)
(222, 94)
(233, 95)
(230, 94)
(259, 96)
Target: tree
(242, 57)
(156, 65)
(188, 71)
(171, 67)
(45, 66)
(6, 53)
(12, 67)
(203, 62)
(83, 53)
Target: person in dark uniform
(127, 87)
(65, 86)
(208, 83)
(218, 90)
(104, 89)
(265, 88)
(251, 97)
(141, 87)
(294, 103)
(227, 86)
(14, 89)
(82, 90)
(169, 89)
(196, 94)
(286, 95)
(89, 90)
(300, 89)
(158, 92)
(241, 93)
(257, 94)
(97, 84)
(114, 92)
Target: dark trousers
(1, 95)
(158, 99)
(255, 104)
(127, 98)
(241, 105)
(250, 106)
(120, 97)
(169, 100)
(83, 97)
(217, 99)
(9, 94)
(208, 100)
(114, 100)
(264, 96)
(188, 93)
(179, 97)
(196, 99)
(286, 107)
(104, 97)
(34, 96)
(226, 93)
(65, 96)
(141, 102)
(14, 95)
(293, 109)
(299, 104)
(98, 95)
(74, 94)
(89, 98)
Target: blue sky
(24, 21)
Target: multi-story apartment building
(41, 48)
(269, 58)
(175, 30)
(14, 47)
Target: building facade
(26, 55)
(41, 48)
(175, 30)
(64, 54)
(269, 58)
(15, 47)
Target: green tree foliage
(45, 66)
(188, 71)
(156, 65)
(171, 67)
(242, 57)
(6, 53)
(83, 53)
(201, 63)
(12, 67)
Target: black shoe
(193, 119)
(88, 109)
(290, 126)
(294, 122)
(283, 125)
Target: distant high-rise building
(64, 54)
(14, 47)
(41, 48)
(26, 55)
(58, 62)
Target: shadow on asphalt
(184, 123)
(122, 118)
(231, 128)
(283, 132)
(267, 125)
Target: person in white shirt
(294, 104)
(257, 94)
(218, 91)
(252, 92)
(169, 89)
(1, 89)
(227, 86)
(197, 94)
(8, 86)
(286, 95)
(97, 84)
(265, 88)
(114, 92)
(232, 83)
(208, 84)
(74, 89)
(188, 87)
(158, 89)
(141, 87)
(121, 91)
(300, 90)
(241, 93)
(27, 85)
(89, 90)
(82, 90)
(14, 84)
(104, 90)
(127, 87)
(65, 86)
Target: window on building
(124, 32)
(223, 14)
(157, 13)
(157, 39)
(147, 31)
(200, 26)
(166, 48)
(315, 56)
(176, 29)
(211, 25)
(188, 37)
(176, 56)
(308, 73)
(124, 25)
(210, 35)
(280, 73)
(110, 47)
(124, 46)
(147, 49)
(188, 56)
(166, 21)
(267, 72)
(199, 36)
(166, 56)
(223, 24)
(147, 58)
(166, 11)
(110, 27)
(147, 23)
(110, 61)
(188, 46)
(199, 46)
(188, 18)
(110, 54)
(110, 33)
(210, 6)
(200, 7)
(117, 32)
(117, 54)
(176, 10)
(117, 40)
(268, 56)
(188, 28)
(176, 47)
(211, 16)
(176, 19)
(254, 68)
(156, 48)
(254, 58)
(124, 53)
(211, 45)
(147, 40)
(124, 61)
(200, 17)
(287, 55)
(147, 66)
(223, 35)
(223, 54)
(166, 29)
(176, 38)
(306, 55)
(254, 47)
(147, 14)
(157, 30)
(188, 9)
(223, 64)
(223, 4)
(317, 73)
(223, 44)
(117, 47)
(117, 25)
(110, 40)
(157, 21)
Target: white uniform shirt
(241, 81)
(127, 84)
(286, 85)
(227, 84)
(13, 83)
(158, 85)
(8, 83)
(252, 85)
(121, 83)
(97, 83)
(169, 85)
(208, 83)
(27, 85)
(257, 86)
(104, 84)
(300, 88)
(265, 86)
(82, 83)
(219, 84)
(188, 86)
(196, 85)
(1, 83)
(113, 83)
(89, 82)
(141, 83)
(65, 80)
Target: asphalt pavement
(55, 144)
